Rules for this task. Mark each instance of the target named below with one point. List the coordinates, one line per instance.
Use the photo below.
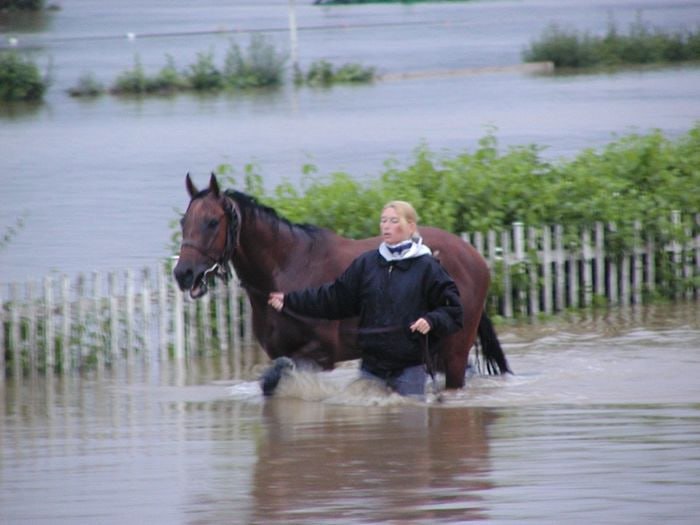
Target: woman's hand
(276, 300)
(421, 325)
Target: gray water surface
(98, 182)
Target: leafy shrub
(28, 5)
(132, 81)
(168, 79)
(262, 67)
(87, 86)
(641, 45)
(637, 177)
(322, 73)
(203, 74)
(20, 79)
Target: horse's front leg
(301, 343)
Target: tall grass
(640, 45)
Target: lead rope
(430, 367)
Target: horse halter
(221, 266)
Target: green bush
(322, 73)
(168, 79)
(20, 79)
(203, 74)
(29, 5)
(132, 81)
(641, 45)
(262, 67)
(637, 177)
(87, 86)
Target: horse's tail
(496, 362)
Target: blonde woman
(399, 292)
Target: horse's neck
(266, 250)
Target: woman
(401, 295)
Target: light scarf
(414, 248)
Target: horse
(228, 228)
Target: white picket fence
(95, 320)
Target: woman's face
(393, 228)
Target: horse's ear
(191, 189)
(214, 185)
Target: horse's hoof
(271, 377)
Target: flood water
(97, 183)
(600, 424)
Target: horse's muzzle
(191, 277)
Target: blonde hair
(405, 212)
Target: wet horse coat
(270, 253)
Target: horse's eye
(213, 224)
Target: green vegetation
(322, 73)
(12, 231)
(636, 177)
(87, 86)
(27, 5)
(20, 79)
(641, 45)
(261, 67)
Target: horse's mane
(249, 205)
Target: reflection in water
(601, 424)
(370, 464)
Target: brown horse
(270, 253)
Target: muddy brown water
(600, 424)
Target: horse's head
(209, 237)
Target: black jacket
(388, 295)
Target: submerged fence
(95, 320)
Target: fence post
(612, 272)
(113, 317)
(32, 341)
(492, 254)
(66, 355)
(599, 259)
(507, 285)
(547, 267)
(638, 268)
(247, 322)
(220, 323)
(162, 313)
(687, 268)
(96, 285)
(559, 268)
(15, 332)
(573, 259)
(586, 259)
(146, 313)
(179, 325)
(129, 317)
(48, 321)
(234, 319)
(677, 251)
(533, 272)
